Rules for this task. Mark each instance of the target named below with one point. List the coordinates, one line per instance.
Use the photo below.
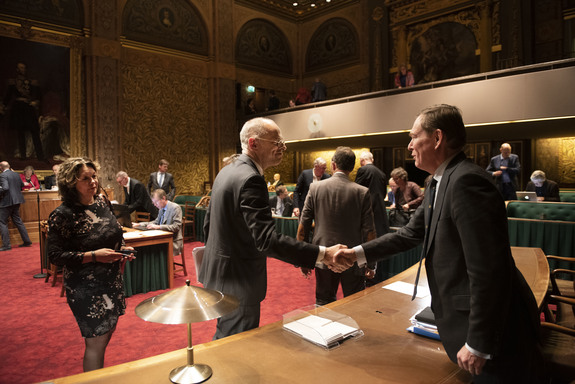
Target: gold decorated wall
(555, 157)
(164, 115)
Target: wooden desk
(138, 239)
(386, 354)
(45, 202)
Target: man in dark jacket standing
(10, 200)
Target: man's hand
(330, 259)
(369, 273)
(296, 212)
(343, 259)
(470, 362)
(497, 173)
(153, 226)
(306, 272)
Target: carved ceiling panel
(335, 42)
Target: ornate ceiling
(305, 9)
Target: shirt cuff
(319, 263)
(477, 353)
(360, 256)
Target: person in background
(403, 78)
(277, 180)
(391, 194)
(10, 200)
(273, 101)
(85, 238)
(303, 96)
(169, 219)
(318, 91)
(340, 211)
(50, 182)
(240, 232)
(136, 196)
(250, 108)
(308, 176)
(505, 168)
(29, 179)
(162, 179)
(485, 312)
(547, 190)
(408, 194)
(291, 103)
(281, 204)
(374, 179)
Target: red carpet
(40, 340)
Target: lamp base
(191, 374)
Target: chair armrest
(558, 328)
(562, 258)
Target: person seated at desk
(281, 204)
(408, 194)
(136, 195)
(547, 190)
(169, 219)
(390, 198)
(29, 179)
(277, 180)
(50, 181)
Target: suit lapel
(440, 197)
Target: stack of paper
(321, 331)
(423, 323)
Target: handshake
(338, 258)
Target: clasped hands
(338, 258)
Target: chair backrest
(541, 210)
(204, 202)
(189, 211)
(142, 217)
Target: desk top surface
(387, 352)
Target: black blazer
(168, 184)
(139, 199)
(375, 180)
(550, 190)
(302, 187)
(50, 181)
(288, 205)
(478, 295)
(240, 234)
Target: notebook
(526, 196)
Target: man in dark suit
(375, 180)
(136, 196)
(240, 232)
(504, 168)
(547, 190)
(10, 200)
(162, 180)
(485, 312)
(281, 204)
(341, 211)
(50, 181)
(308, 176)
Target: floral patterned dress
(95, 291)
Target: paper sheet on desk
(140, 234)
(406, 288)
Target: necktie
(161, 219)
(161, 179)
(431, 202)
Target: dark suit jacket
(302, 187)
(374, 179)
(139, 199)
(513, 168)
(478, 295)
(50, 181)
(288, 205)
(10, 189)
(168, 184)
(240, 233)
(550, 190)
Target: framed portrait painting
(35, 109)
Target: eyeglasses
(88, 179)
(277, 143)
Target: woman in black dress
(83, 236)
